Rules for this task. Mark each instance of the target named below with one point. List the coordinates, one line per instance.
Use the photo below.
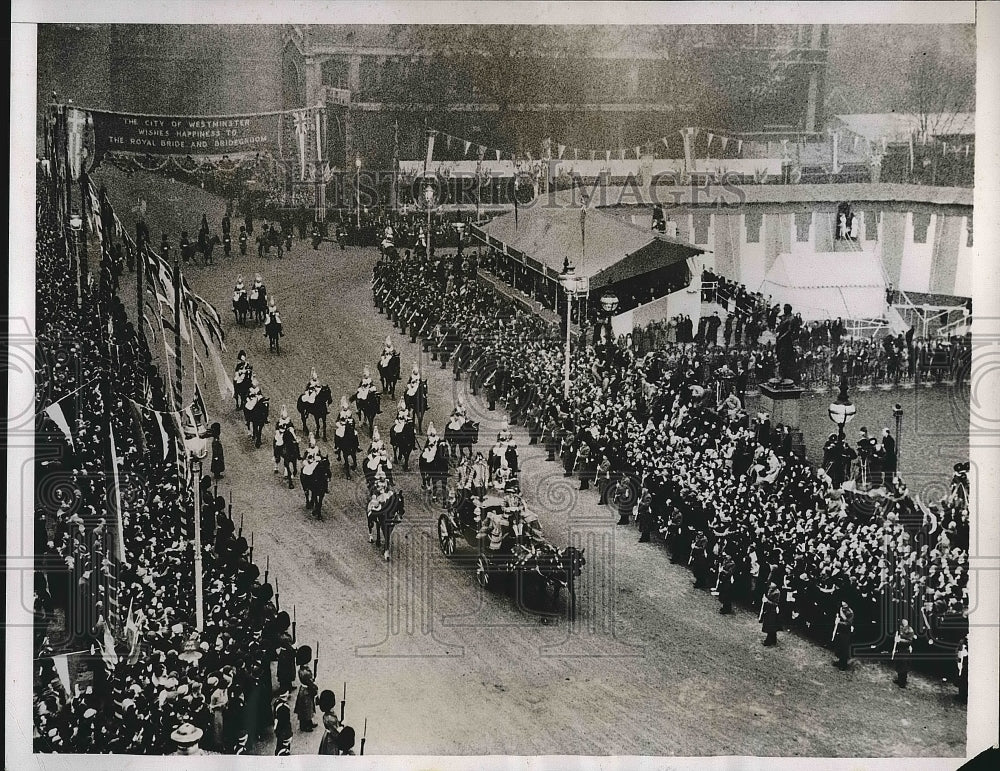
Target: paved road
(440, 667)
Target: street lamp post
(197, 450)
(75, 225)
(429, 200)
(842, 412)
(568, 280)
(897, 413)
(357, 189)
(609, 304)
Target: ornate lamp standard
(842, 412)
(429, 201)
(897, 413)
(573, 285)
(75, 225)
(197, 448)
(609, 304)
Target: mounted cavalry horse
(367, 398)
(388, 368)
(385, 511)
(315, 401)
(241, 302)
(272, 327)
(415, 397)
(258, 299)
(403, 436)
(242, 378)
(316, 483)
(433, 464)
(345, 438)
(256, 410)
(205, 247)
(461, 433)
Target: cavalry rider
(457, 419)
(377, 444)
(403, 414)
(282, 425)
(257, 288)
(312, 388)
(366, 386)
(254, 394)
(343, 416)
(243, 368)
(273, 317)
(414, 382)
(239, 290)
(387, 350)
(430, 449)
(312, 455)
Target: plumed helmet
(416, 369)
(273, 303)
(312, 374)
(388, 342)
(380, 474)
(284, 412)
(367, 373)
(402, 404)
(376, 436)
(344, 404)
(257, 277)
(431, 431)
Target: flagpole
(84, 205)
(178, 362)
(140, 261)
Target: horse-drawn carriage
(510, 545)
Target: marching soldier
(842, 634)
(282, 724)
(902, 649)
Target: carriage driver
(312, 387)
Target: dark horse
(241, 307)
(319, 409)
(404, 442)
(316, 484)
(256, 418)
(383, 516)
(464, 438)
(273, 332)
(416, 400)
(388, 371)
(290, 457)
(433, 465)
(258, 303)
(347, 446)
(206, 247)
(369, 408)
(242, 387)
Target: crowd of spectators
(661, 438)
(114, 537)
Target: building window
(753, 219)
(701, 224)
(803, 222)
(871, 226)
(921, 221)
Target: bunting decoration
(467, 144)
(560, 149)
(301, 121)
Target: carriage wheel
(446, 538)
(483, 572)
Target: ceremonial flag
(593, 154)
(711, 136)
(62, 669)
(468, 144)
(638, 153)
(666, 146)
(301, 120)
(118, 495)
(76, 124)
(725, 142)
(319, 147)
(482, 152)
(498, 155)
(576, 153)
(621, 154)
(447, 141)
(56, 415)
(739, 146)
(561, 149)
(607, 156)
(430, 149)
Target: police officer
(725, 582)
(843, 634)
(902, 649)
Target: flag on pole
(560, 149)
(56, 415)
(498, 155)
(638, 152)
(76, 124)
(301, 121)
(468, 144)
(666, 145)
(711, 136)
(62, 669)
(739, 146)
(319, 140)
(430, 149)
(607, 156)
(725, 143)
(120, 536)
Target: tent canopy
(602, 247)
(826, 285)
